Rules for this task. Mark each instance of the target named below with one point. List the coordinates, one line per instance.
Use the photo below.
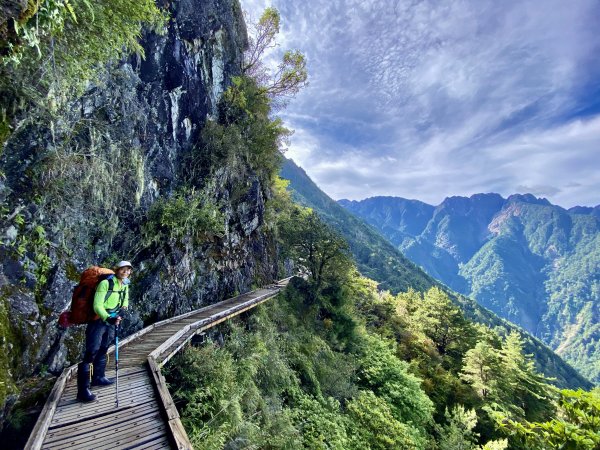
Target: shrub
(187, 214)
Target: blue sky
(428, 99)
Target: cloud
(539, 190)
(426, 99)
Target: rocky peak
(528, 198)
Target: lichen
(218, 67)
(29, 11)
(4, 131)
(7, 384)
(71, 272)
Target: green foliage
(315, 247)
(577, 425)
(482, 370)
(244, 131)
(507, 378)
(383, 373)
(379, 260)
(32, 247)
(188, 214)
(441, 320)
(291, 74)
(521, 383)
(279, 207)
(289, 380)
(374, 426)
(70, 39)
(81, 173)
(375, 257)
(7, 382)
(459, 434)
(319, 423)
(538, 268)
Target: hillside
(378, 260)
(375, 257)
(527, 260)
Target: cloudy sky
(425, 99)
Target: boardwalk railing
(146, 417)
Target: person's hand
(116, 320)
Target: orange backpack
(82, 302)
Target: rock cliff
(79, 184)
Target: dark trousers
(98, 337)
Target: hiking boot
(83, 383)
(99, 378)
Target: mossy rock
(72, 272)
(29, 11)
(7, 384)
(4, 132)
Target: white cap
(123, 264)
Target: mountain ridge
(380, 261)
(509, 254)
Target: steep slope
(106, 175)
(375, 257)
(527, 260)
(380, 261)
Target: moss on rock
(7, 383)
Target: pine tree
(481, 369)
(435, 315)
(525, 393)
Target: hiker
(112, 295)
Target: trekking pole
(117, 362)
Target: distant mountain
(379, 260)
(531, 262)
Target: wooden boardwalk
(146, 417)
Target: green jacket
(118, 297)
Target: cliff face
(79, 183)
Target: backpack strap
(122, 293)
(111, 288)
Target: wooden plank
(124, 379)
(160, 443)
(104, 393)
(163, 393)
(70, 398)
(135, 440)
(169, 342)
(151, 442)
(41, 427)
(162, 333)
(75, 415)
(109, 432)
(167, 350)
(106, 399)
(153, 340)
(182, 441)
(145, 349)
(178, 433)
(125, 341)
(57, 433)
(135, 362)
(114, 435)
